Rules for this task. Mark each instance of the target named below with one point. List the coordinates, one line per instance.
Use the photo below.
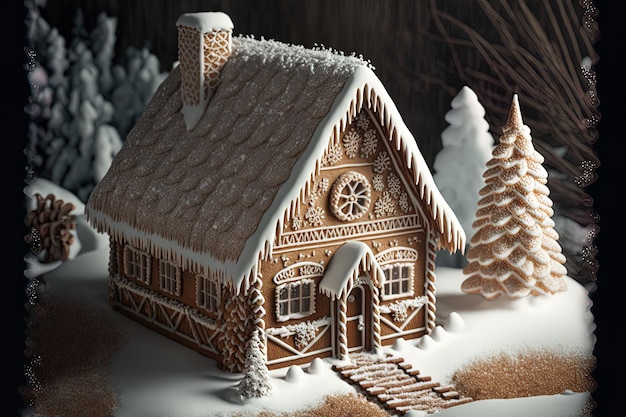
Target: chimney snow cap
(206, 21)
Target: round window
(350, 196)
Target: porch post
(377, 346)
(343, 330)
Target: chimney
(204, 45)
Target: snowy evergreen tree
(515, 249)
(81, 104)
(458, 167)
(39, 107)
(102, 41)
(256, 381)
(134, 86)
(86, 119)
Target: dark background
(391, 35)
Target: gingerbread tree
(515, 248)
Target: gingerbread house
(269, 186)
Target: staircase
(395, 386)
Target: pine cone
(50, 227)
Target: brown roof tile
(217, 180)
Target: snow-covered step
(375, 391)
(395, 385)
(450, 395)
(443, 388)
(412, 388)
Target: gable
(360, 188)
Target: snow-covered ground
(159, 377)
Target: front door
(358, 318)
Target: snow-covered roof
(211, 198)
(343, 270)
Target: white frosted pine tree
(133, 86)
(515, 249)
(82, 116)
(102, 41)
(81, 104)
(256, 381)
(458, 166)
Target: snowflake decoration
(384, 206)
(382, 163)
(296, 223)
(370, 142)
(377, 182)
(352, 142)
(399, 311)
(323, 185)
(403, 202)
(394, 184)
(314, 215)
(305, 333)
(333, 156)
(312, 199)
(362, 121)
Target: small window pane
(295, 291)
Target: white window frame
(208, 293)
(286, 307)
(169, 277)
(387, 289)
(137, 264)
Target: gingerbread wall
(361, 195)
